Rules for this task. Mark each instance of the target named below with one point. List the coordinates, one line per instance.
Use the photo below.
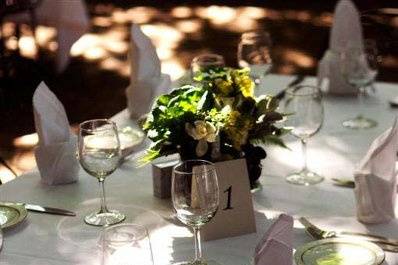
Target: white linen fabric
(146, 81)
(333, 152)
(276, 245)
(70, 18)
(376, 179)
(55, 153)
(346, 31)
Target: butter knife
(49, 210)
(317, 233)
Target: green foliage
(220, 113)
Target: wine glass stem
(198, 245)
(304, 149)
(361, 91)
(102, 196)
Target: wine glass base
(305, 178)
(360, 122)
(104, 219)
(197, 262)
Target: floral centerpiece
(219, 119)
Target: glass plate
(11, 214)
(339, 251)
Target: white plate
(339, 251)
(130, 139)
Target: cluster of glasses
(195, 191)
(359, 67)
(195, 196)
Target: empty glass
(204, 62)
(99, 155)
(195, 197)
(304, 103)
(254, 51)
(126, 244)
(359, 68)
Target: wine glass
(254, 51)
(195, 197)
(99, 155)
(359, 68)
(305, 106)
(126, 244)
(206, 61)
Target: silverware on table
(347, 183)
(295, 81)
(49, 210)
(386, 244)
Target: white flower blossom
(203, 132)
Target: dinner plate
(339, 251)
(130, 138)
(11, 214)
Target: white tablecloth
(69, 17)
(333, 152)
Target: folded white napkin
(376, 179)
(276, 245)
(346, 31)
(69, 18)
(147, 81)
(55, 153)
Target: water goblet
(195, 198)
(126, 244)
(304, 103)
(205, 62)
(99, 155)
(359, 68)
(254, 52)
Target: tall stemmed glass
(254, 51)
(99, 155)
(359, 66)
(304, 103)
(195, 197)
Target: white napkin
(346, 31)
(376, 178)
(55, 153)
(69, 18)
(147, 81)
(276, 244)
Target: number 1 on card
(229, 190)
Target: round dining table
(333, 153)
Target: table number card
(235, 215)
